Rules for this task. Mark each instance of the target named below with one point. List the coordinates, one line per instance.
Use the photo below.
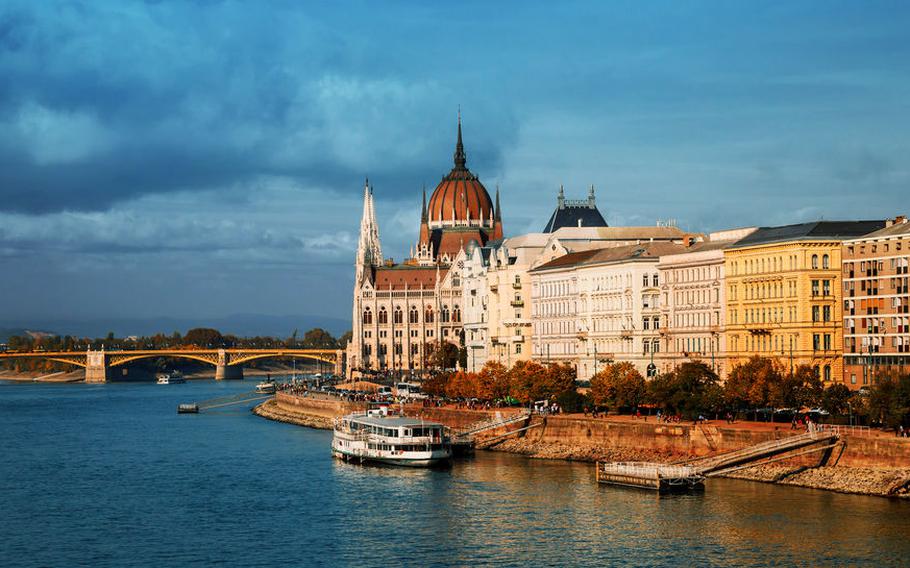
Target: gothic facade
(401, 311)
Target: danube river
(110, 475)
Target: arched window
(367, 316)
(428, 316)
(383, 316)
(456, 314)
(398, 316)
(413, 315)
(444, 314)
(825, 261)
(814, 261)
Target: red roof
(400, 277)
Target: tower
(369, 249)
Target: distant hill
(7, 332)
(245, 325)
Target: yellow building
(784, 295)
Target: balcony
(517, 303)
(494, 287)
(516, 285)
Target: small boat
(379, 437)
(172, 378)
(266, 387)
(191, 408)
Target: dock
(691, 475)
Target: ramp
(467, 435)
(782, 448)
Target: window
(815, 314)
(645, 322)
(397, 315)
(657, 323)
(825, 263)
(517, 348)
(654, 280)
(816, 342)
(827, 376)
(814, 261)
(827, 342)
(644, 280)
(383, 316)
(826, 287)
(367, 316)
(815, 287)
(456, 314)
(428, 316)
(826, 313)
(429, 333)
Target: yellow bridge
(228, 362)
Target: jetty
(691, 475)
(220, 402)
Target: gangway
(467, 435)
(222, 401)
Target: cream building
(598, 306)
(692, 303)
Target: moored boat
(172, 378)
(266, 387)
(379, 437)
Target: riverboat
(380, 437)
(172, 378)
(266, 387)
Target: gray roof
(896, 229)
(575, 216)
(816, 230)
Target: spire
(423, 208)
(591, 197)
(561, 198)
(497, 213)
(460, 158)
(369, 251)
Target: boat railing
(641, 469)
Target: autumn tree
(435, 384)
(526, 379)
(493, 381)
(690, 389)
(203, 337)
(441, 355)
(618, 385)
(835, 399)
(751, 384)
(801, 389)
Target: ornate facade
(401, 310)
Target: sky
(206, 158)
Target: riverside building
(693, 300)
(784, 294)
(401, 309)
(599, 306)
(876, 288)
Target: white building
(598, 306)
(693, 296)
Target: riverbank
(871, 463)
(43, 376)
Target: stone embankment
(869, 464)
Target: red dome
(460, 195)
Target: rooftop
(582, 213)
(900, 227)
(644, 251)
(816, 230)
(391, 421)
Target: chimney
(579, 222)
(688, 241)
(900, 219)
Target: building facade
(876, 306)
(401, 310)
(693, 300)
(594, 307)
(784, 295)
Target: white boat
(266, 387)
(172, 378)
(378, 437)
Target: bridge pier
(96, 369)
(228, 372)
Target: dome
(460, 196)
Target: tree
(441, 355)
(493, 381)
(801, 389)
(344, 339)
(203, 337)
(318, 338)
(690, 390)
(435, 384)
(750, 384)
(525, 380)
(889, 401)
(835, 399)
(618, 385)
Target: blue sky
(207, 158)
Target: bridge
(228, 363)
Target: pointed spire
(460, 158)
(591, 197)
(497, 213)
(423, 209)
(561, 198)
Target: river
(110, 475)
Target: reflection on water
(111, 475)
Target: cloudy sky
(207, 158)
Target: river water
(110, 475)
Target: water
(110, 475)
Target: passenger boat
(266, 387)
(380, 437)
(172, 378)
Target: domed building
(401, 312)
